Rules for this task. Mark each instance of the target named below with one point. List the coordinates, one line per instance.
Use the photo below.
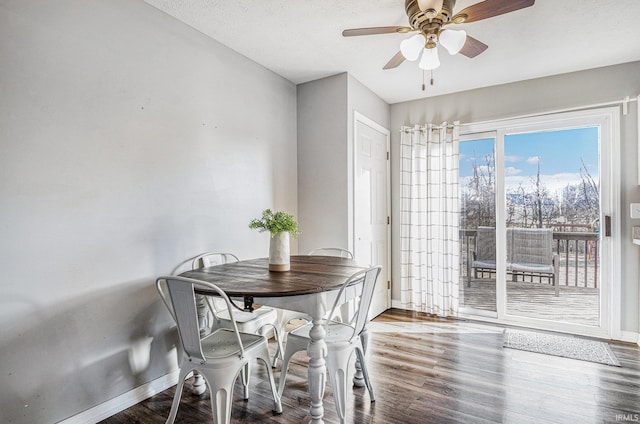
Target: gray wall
(325, 156)
(322, 162)
(128, 142)
(366, 102)
(536, 96)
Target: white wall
(128, 142)
(537, 96)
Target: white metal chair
(284, 315)
(219, 356)
(332, 251)
(263, 321)
(346, 310)
(342, 339)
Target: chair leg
(221, 383)
(337, 367)
(280, 349)
(358, 380)
(176, 398)
(365, 373)
(277, 335)
(279, 352)
(245, 375)
(277, 404)
(284, 366)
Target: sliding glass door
(477, 188)
(535, 195)
(552, 210)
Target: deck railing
(578, 253)
(579, 259)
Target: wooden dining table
(310, 286)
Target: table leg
(317, 371)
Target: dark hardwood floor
(430, 370)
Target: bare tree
(532, 206)
(538, 194)
(581, 202)
(478, 199)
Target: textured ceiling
(301, 40)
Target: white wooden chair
(342, 339)
(263, 321)
(219, 356)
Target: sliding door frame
(608, 120)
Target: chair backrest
(486, 244)
(181, 297)
(361, 315)
(212, 258)
(204, 260)
(531, 245)
(332, 251)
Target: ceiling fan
(429, 18)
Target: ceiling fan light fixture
(453, 40)
(411, 47)
(429, 59)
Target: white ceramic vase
(279, 252)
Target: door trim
(360, 118)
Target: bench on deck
(529, 253)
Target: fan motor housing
(419, 20)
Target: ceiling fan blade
(395, 61)
(489, 9)
(473, 47)
(376, 30)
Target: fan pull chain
(431, 80)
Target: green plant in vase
(276, 223)
(281, 226)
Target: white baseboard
(397, 304)
(629, 336)
(124, 401)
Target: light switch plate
(635, 210)
(635, 233)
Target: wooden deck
(576, 305)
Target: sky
(558, 152)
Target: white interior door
(371, 205)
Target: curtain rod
(624, 102)
(423, 127)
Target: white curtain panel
(429, 219)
